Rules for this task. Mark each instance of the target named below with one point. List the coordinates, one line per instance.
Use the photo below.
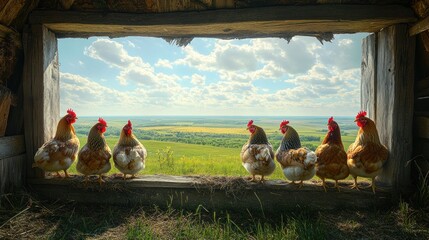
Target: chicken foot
(355, 185)
(262, 179)
(324, 184)
(100, 179)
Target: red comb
(250, 123)
(71, 113)
(129, 124)
(330, 120)
(361, 114)
(102, 122)
(284, 122)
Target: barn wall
(387, 95)
(13, 15)
(420, 163)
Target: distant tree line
(211, 139)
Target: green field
(207, 145)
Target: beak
(355, 120)
(75, 118)
(247, 128)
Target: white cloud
(198, 79)
(164, 63)
(310, 79)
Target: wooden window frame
(387, 79)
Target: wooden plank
(368, 72)
(395, 82)
(420, 7)
(5, 101)
(144, 6)
(10, 11)
(11, 146)
(221, 194)
(11, 173)
(238, 23)
(422, 127)
(420, 26)
(41, 90)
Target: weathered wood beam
(41, 90)
(10, 11)
(193, 192)
(395, 102)
(5, 101)
(368, 75)
(11, 173)
(237, 23)
(11, 146)
(420, 26)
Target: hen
(366, 156)
(257, 154)
(331, 157)
(129, 154)
(298, 163)
(93, 158)
(59, 153)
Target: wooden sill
(213, 193)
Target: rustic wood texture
(11, 173)
(422, 127)
(420, 7)
(368, 72)
(5, 101)
(145, 6)
(395, 82)
(420, 26)
(191, 192)
(236, 23)
(10, 11)
(11, 146)
(14, 12)
(41, 90)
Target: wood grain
(12, 173)
(192, 192)
(41, 90)
(224, 23)
(11, 146)
(420, 26)
(394, 103)
(5, 101)
(368, 73)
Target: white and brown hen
(129, 155)
(59, 153)
(257, 154)
(298, 163)
(94, 157)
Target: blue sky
(136, 76)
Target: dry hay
(10, 46)
(233, 186)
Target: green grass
(189, 159)
(24, 217)
(206, 145)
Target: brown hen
(366, 156)
(94, 157)
(331, 157)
